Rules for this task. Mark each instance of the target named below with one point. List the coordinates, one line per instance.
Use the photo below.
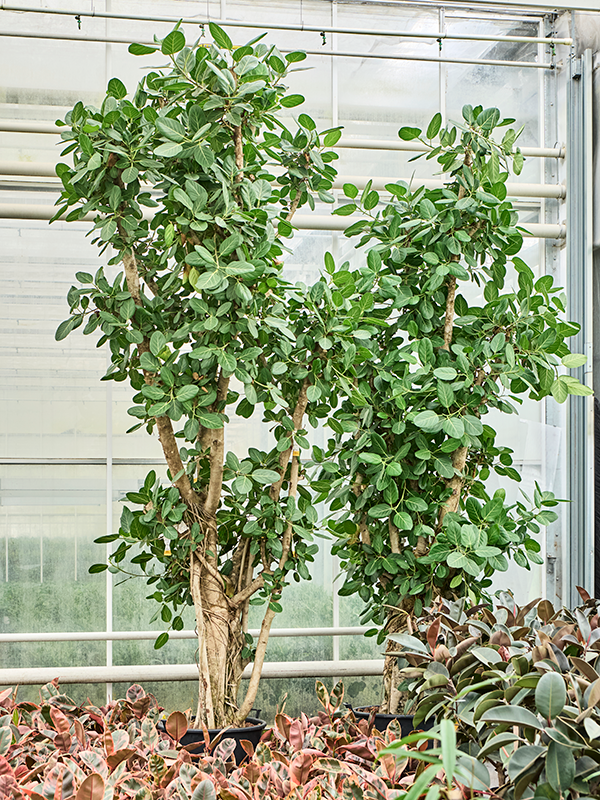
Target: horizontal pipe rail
(416, 147)
(489, 62)
(35, 126)
(184, 672)
(314, 222)
(278, 27)
(555, 190)
(497, 6)
(131, 636)
(62, 462)
(536, 190)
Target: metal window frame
(579, 222)
(579, 546)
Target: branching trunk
(394, 536)
(449, 320)
(284, 457)
(391, 676)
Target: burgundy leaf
(296, 735)
(176, 725)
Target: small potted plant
(200, 321)
(411, 450)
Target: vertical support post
(554, 415)
(109, 528)
(580, 289)
(334, 248)
(443, 70)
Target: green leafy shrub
(521, 686)
(410, 450)
(200, 321)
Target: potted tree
(200, 321)
(411, 451)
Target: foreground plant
(56, 749)
(521, 686)
(410, 450)
(200, 321)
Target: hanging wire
(324, 38)
(78, 18)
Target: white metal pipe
(126, 636)
(557, 190)
(28, 168)
(497, 6)
(278, 27)
(416, 147)
(28, 126)
(184, 672)
(348, 143)
(314, 222)
(342, 54)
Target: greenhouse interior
(333, 417)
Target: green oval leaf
(116, 88)
(512, 715)
(171, 44)
(186, 392)
(141, 49)
(265, 476)
(445, 373)
(573, 360)
(219, 36)
(550, 695)
(292, 100)
(560, 767)
(429, 421)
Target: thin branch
(284, 457)
(449, 319)
(247, 593)
(217, 454)
(363, 528)
(239, 150)
(166, 434)
(394, 536)
(246, 604)
(286, 542)
(259, 658)
(293, 206)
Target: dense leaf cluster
(203, 147)
(406, 468)
(60, 750)
(522, 687)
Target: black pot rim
(369, 709)
(259, 724)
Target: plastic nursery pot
(251, 733)
(383, 720)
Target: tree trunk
(396, 623)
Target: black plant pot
(383, 720)
(250, 733)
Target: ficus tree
(192, 185)
(411, 451)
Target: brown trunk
(396, 623)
